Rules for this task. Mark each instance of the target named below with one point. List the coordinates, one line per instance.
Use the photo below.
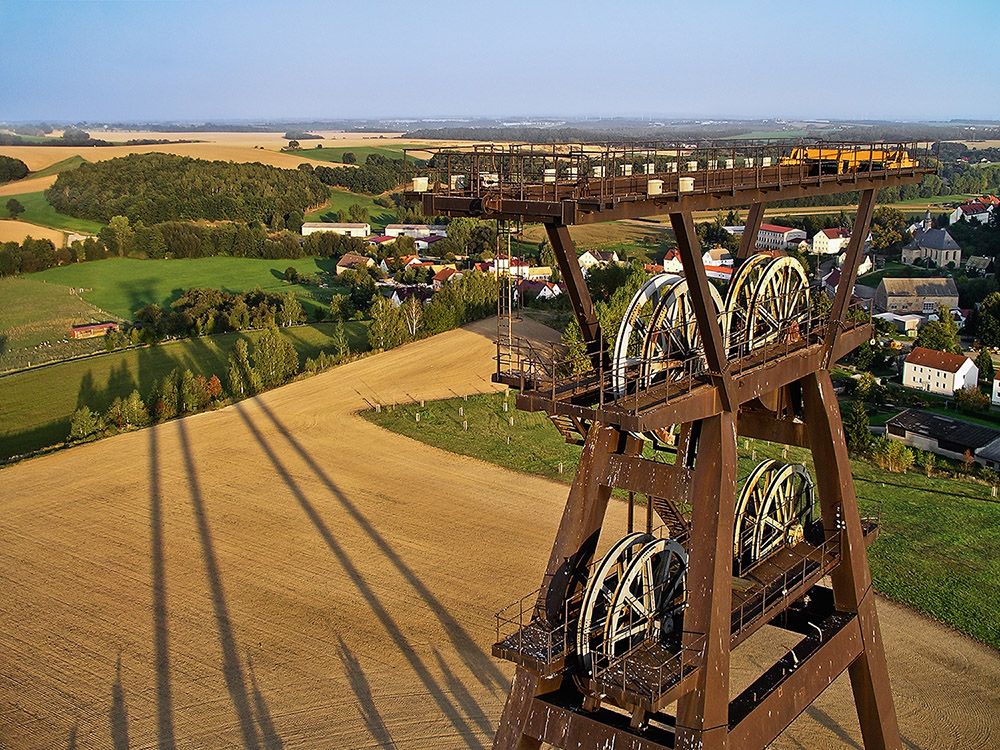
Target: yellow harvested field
(29, 185)
(982, 144)
(16, 231)
(238, 147)
(282, 573)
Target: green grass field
(36, 405)
(335, 154)
(123, 285)
(379, 216)
(35, 322)
(39, 211)
(60, 166)
(936, 552)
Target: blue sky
(139, 60)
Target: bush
(892, 455)
(971, 400)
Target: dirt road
(283, 574)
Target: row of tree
(158, 187)
(377, 175)
(12, 169)
(271, 362)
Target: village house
(425, 243)
(672, 261)
(540, 273)
(863, 267)
(543, 290)
(443, 276)
(938, 372)
(513, 266)
(351, 230)
(971, 211)
(908, 325)
(935, 244)
(716, 256)
(417, 231)
(354, 262)
(381, 240)
(774, 237)
(944, 436)
(916, 295)
(388, 262)
(978, 264)
(830, 241)
(591, 258)
(722, 273)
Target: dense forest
(154, 188)
(377, 175)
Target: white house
(417, 230)
(351, 230)
(716, 256)
(672, 262)
(592, 258)
(722, 273)
(774, 237)
(908, 325)
(863, 267)
(830, 241)
(938, 372)
(974, 211)
(516, 267)
(996, 389)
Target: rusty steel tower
(631, 649)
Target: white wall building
(773, 237)
(938, 372)
(417, 230)
(351, 230)
(830, 240)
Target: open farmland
(123, 285)
(16, 231)
(37, 210)
(253, 577)
(36, 405)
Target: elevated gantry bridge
(633, 648)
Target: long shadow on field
(118, 713)
(270, 735)
(821, 716)
(161, 651)
(472, 655)
(232, 670)
(388, 623)
(366, 701)
(465, 699)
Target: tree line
(155, 188)
(271, 362)
(12, 169)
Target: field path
(283, 574)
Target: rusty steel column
(704, 309)
(750, 230)
(576, 286)
(849, 273)
(703, 714)
(851, 579)
(573, 549)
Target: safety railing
(773, 590)
(638, 383)
(648, 169)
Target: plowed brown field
(281, 573)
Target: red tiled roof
(938, 360)
(836, 233)
(973, 208)
(776, 228)
(719, 269)
(351, 259)
(444, 274)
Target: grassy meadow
(35, 322)
(123, 285)
(36, 405)
(378, 216)
(936, 552)
(37, 210)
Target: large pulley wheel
(673, 347)
(600, 592)
(739, 300)
(631, 340)
(650, 598)
(780, 308)
(776, 505)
